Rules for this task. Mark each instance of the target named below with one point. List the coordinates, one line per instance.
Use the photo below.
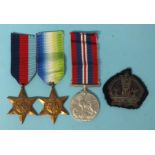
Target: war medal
(84, 51)
(50, 51)
(125, 90)
(23, 69)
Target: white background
(77, 12)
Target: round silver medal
(84, 106)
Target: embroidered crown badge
(125, 90)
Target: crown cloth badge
(125, 90)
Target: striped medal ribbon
(50, 68)
(23, 57)
(23, 69)
(50, 56)
(84, 51)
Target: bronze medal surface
(125, 90)
(53, 105)
(84, 106)
(22, 105)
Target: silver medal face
(84, 106)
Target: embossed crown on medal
(84, 51)
(125, 90)
(23, 69)
(50, 68)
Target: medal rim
(98, 103)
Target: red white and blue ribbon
(84, 49)
(23, 57)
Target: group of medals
(43, 54)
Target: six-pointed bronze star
(22, 105)
(53, 105)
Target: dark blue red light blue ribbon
(23, 57)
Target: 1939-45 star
(22, 105)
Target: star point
(22, 105)
(53, 105)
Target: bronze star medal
(22, 105)
(53, 105)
